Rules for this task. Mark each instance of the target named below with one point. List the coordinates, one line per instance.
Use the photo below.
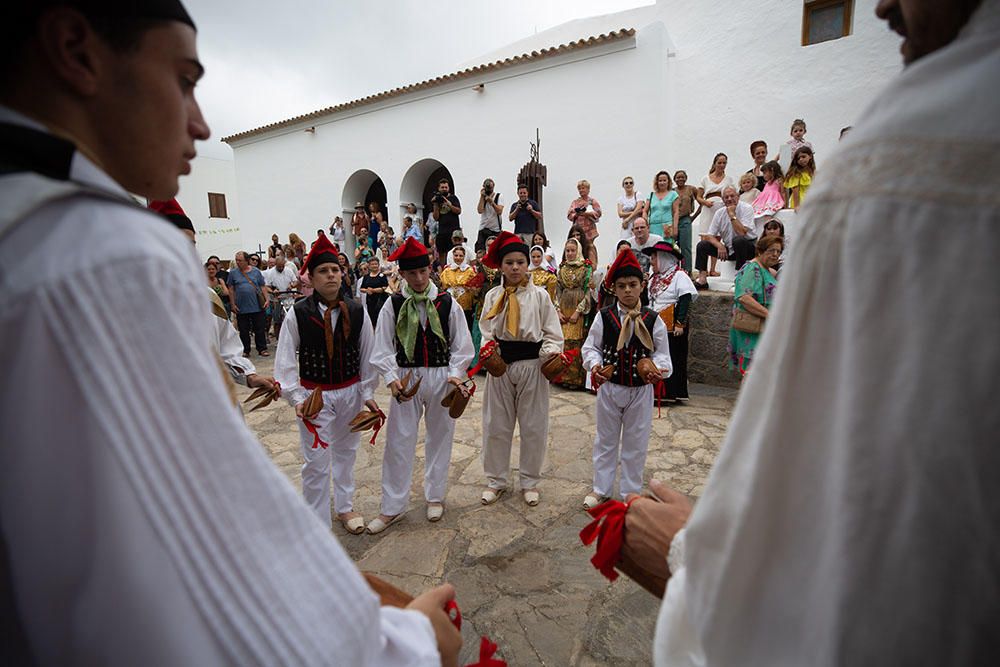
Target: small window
(823, 20)
(217, 205)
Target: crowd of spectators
(737, 216)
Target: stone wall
(708, 359)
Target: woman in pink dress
(772, 197)
(585, 211)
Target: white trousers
(624, 418)
(333, 423)
(522, 395)
(401, 441)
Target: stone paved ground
(523, 578)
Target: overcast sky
(267, 60)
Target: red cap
(322, 252)
(166, 207)
(173, 212)
(411, 255)
(625, 264)
(504, 243)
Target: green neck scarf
(408, 319)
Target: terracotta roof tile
(587, 42)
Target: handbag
(261, 299)
(747, 322)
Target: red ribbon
(486, 659)
(484, 352)
(378, 427)
(317, 442)
(608, 528)
(486, 647)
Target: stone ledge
(708, 356)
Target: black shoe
(698, 285)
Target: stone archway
(419, 185)
(363, 186)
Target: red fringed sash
(608, 528)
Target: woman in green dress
(754, 294)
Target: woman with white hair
(671, 292)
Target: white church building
(665, 86)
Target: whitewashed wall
(215, 236)
(696, 81)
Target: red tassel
(316, 439)
(378, 427)
(608, 528)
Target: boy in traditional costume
(520, 328)
(626, 353)
(333, 339)
(422, 350)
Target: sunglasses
(628, 183)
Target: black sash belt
(518, 350)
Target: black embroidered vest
(429, 350)
(625, 359)
(315, 366)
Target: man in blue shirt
(247, 287)
(526, 214)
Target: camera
(580, 209)
(522, 204)
(488, 188)
(438, 198)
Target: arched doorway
(420, 183)
(363, 187)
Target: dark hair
(19, 24)
(774, 168)
(765, 242)
(755, 144)
(775, 223)
(621, 243)
(585, 244)
(716, 159)
(211, 257)
(521, 186)
(545, 239)
(445, 181)
(794, 169)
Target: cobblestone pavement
(522, 576)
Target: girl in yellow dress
(456, 278)
(799, 176)
(541, 274)
(573, 305)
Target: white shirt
(143, 523)
(227, 344)
(489, 218)
(592, 356)
(851, 517)
(281, 281)
(384, 353)
(722, 226)
(651, 241)
(286, 362)
(538, 320)
(628, 205)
